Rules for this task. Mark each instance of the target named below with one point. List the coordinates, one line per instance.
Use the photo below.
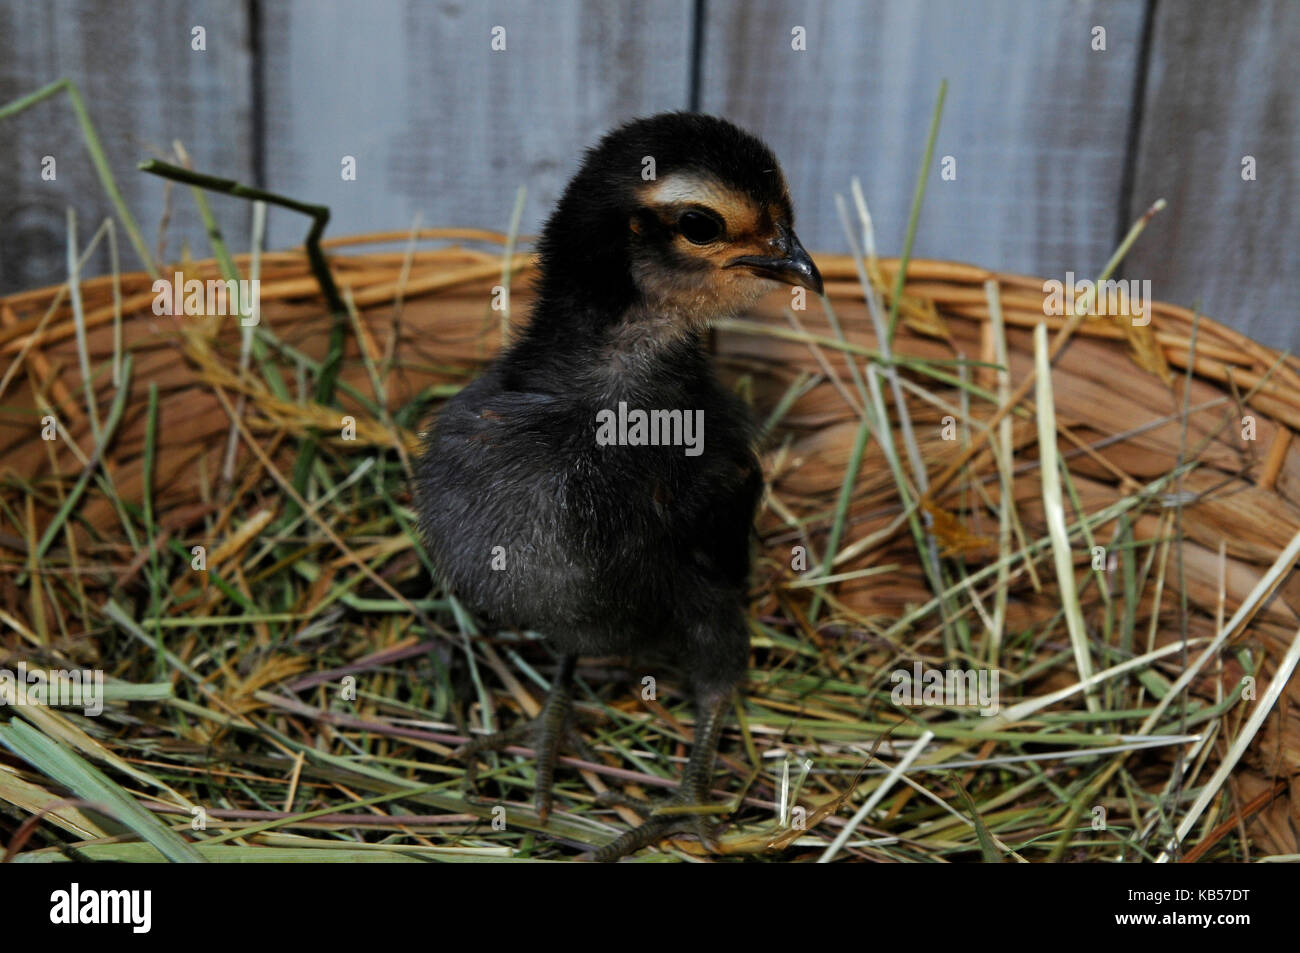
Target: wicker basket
(425, 322)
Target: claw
(544, 733)
(694, 792)
(655, 828)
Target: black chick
(634, 548)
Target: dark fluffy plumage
(586, 282)
(607, 549)
(644, 549)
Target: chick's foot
(687, 811)
(544, 733)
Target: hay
(226, 685)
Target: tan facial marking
(673, 194)
(691, 297)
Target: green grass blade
(86, 781)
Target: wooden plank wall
(144, 87)
(441, 124)
(1224, 84)
(1035, 120)
(1057, 145)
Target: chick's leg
(693, 792)
(545, 731)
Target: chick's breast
(533, 524)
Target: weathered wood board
(1051, 144)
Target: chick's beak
(791, 265)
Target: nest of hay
(278, 659)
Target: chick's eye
(699, 228)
